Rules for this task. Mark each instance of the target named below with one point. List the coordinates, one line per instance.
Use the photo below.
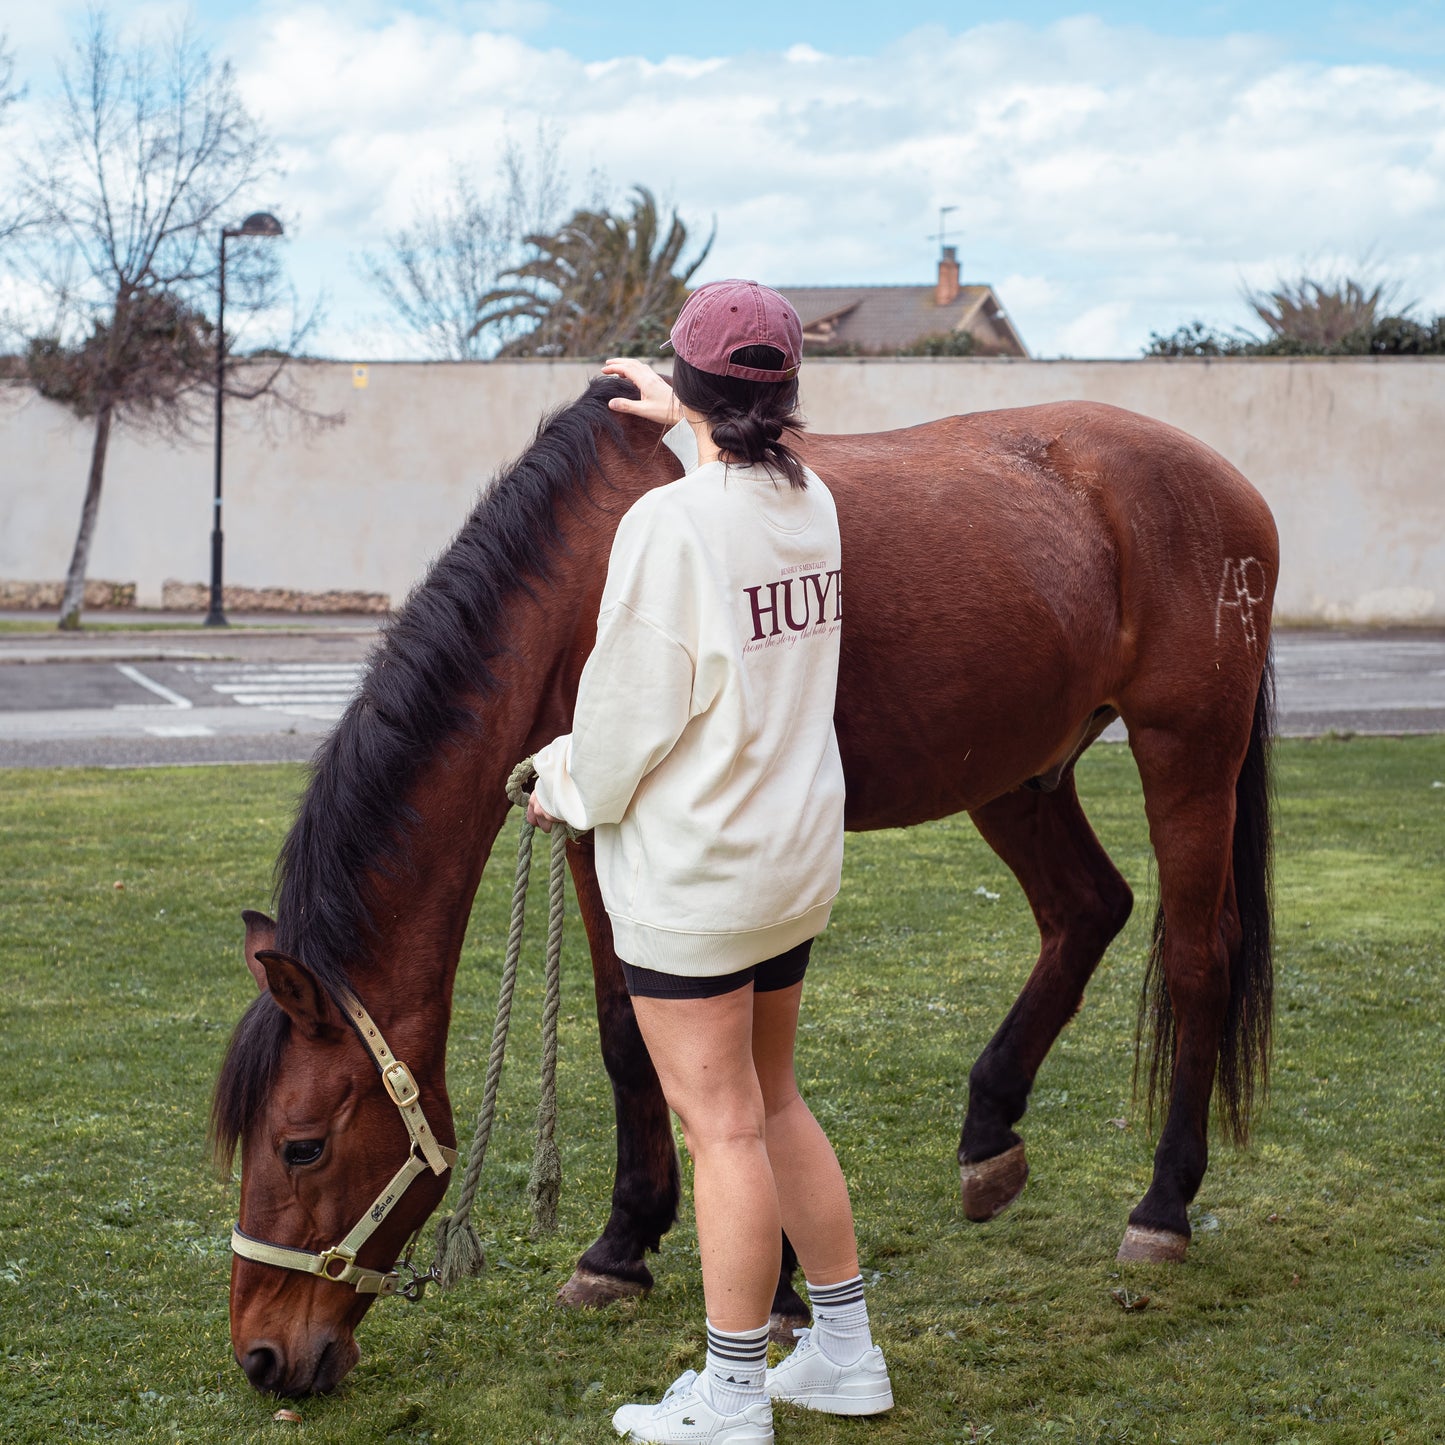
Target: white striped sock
(840, 1320)
(737, 1363)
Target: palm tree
(605, 284)
(1319, 313)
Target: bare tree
(11, 217)
(9, 93)
(435, 271)
(150, 153)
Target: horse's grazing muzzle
(269, 1369)
(262, 1364)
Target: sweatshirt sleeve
(633, 701)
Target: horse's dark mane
(439, 647)
(434, 651)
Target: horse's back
(1009, 573)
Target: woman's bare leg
(702, 1049)
(812, 1193)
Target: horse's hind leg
(647, 1185)
(1190, 798)
(1080, 902)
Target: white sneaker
(810, 1379)
(686, 1415)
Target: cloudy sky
(1117, 168)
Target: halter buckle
(337, 1254)
(400, 1084)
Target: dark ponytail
(747, 418)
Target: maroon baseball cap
(724, 316)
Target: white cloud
(1099, 331)
(1110, 181)
(1028, 291)
(510, 14)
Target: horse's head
(325, 1122)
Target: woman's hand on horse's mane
(657, 402)
(538, 816)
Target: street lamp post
(260, 223)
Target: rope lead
(459, 1249)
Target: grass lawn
(1311, 1308)
(46, 624)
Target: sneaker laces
(808, 1345)
(679, 1386)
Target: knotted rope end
(459, 1251)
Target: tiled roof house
(864, 320)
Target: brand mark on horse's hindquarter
(1243, 586)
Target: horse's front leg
(647, 1185)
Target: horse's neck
(460, 801)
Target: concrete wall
(1347, 452)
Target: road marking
(182, 730)
(290, 699)
(160, 690)
(266, 681)
(319, 690)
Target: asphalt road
(263, 694)
(142, 699)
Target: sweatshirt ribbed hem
(709, 955)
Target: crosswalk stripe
(318, 690)
(266, 679)
(285, 699)
(341, 689)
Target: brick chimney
(947, 277)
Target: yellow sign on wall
(358, 377)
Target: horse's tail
(1244, 1049)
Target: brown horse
(1016, 580)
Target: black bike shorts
(768, 976)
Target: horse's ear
(295, 988)
(260, 934)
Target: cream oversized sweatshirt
(702, 750)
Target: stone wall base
(196, 597)
(45, 596)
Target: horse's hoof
(589, 1291)
(781, 1327)
(1152, 1246)
(991, 1185)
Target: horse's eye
(303, 1151)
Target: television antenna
(942, 236)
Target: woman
(703, 756)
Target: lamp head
(261, 223)
(258, 223)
